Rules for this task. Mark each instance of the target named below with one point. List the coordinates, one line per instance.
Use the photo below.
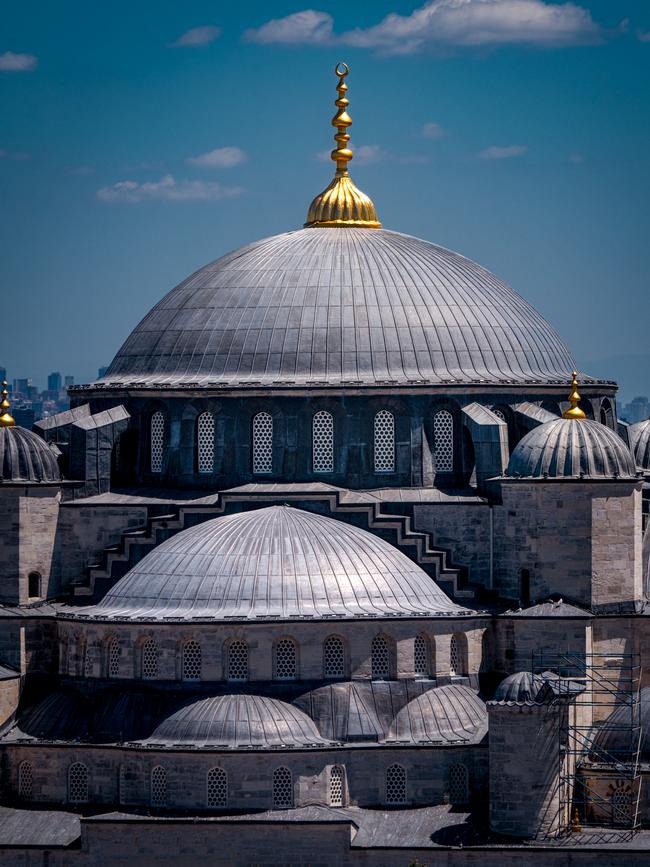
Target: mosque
(342, 547)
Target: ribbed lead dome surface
(445, 715)
(25, 457)
(332, 306)
(276, 562)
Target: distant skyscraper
(22, 386)
(54, 381)
(69, 380)
(3, 374)
(637, 410)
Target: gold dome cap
(342, 204)
(574, 412)
(6, 419)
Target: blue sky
(140, 141)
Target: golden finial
(6, 419)
(576, 827)
(342, 204)
(574, 410)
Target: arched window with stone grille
(25, 781)
(77, 783)
(263, 443)
(458, 784)
(113, 657)
(457, 655)
(156, 441)
(333, 658)
(443, 441)
(384, 431)
(336, 786)
(380, 658)
(395, 785)
(149, 659)
(217, 788)
(237, 668)
(323, 442)
(621, 804)
(89, 666)
(158, 797)
(191, 660)
(282, 789)
(205, 443)
(421, 654)
(286, 662)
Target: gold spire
(574, 410)
(342, 204)
(6, 419)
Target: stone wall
(463, 531)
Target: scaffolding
(599, 782)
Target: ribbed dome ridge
(640, 443)
(521, 686)
(446, 714)
(25, 457)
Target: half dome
(614, 741)
(338, 306)
(275, 562)
(25, 457)
(640, 443)
(521, 686)
(445, 715)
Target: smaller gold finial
(576, 827)
(6, 419)
(574, 411)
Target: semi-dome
(275, 562)
(444, 715)
(237, 721)
(640, 443)
(25, 457)
(615, 740)
(521, 686)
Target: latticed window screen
(457, 662)
(113, 653)
(191, 660)
(25, 781)
(336, 786)
(323, 442)
(443, 441)
(333, 657)
(88, 660)
(149, 659)
(282, 788)
(158, 786)
(263, 443)
(80, 662)
(380, 657)
(395, 785)
(77, 783)
(499, 414)
(421, 656)
(458, 784)
(157, 441)
(217, 788)
(384, 442)
(205, 442)
(238, 660)
(621, 801)
(285, 659)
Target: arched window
(263, 443)
(606, 414)
(333, 657)
(25, 781)
(77, 783)
(158, 787)
(458, 784)
(113, 657)
(89, 668)
(157, 441)
(395, 785)
(191, 663)
(216, 788)
(323, 442)
(205, 443)
(443, 441)
(336, 786)
(282, 789)
(80, 655)
(621, 801)
(421, 667)
(285, 659)
(149, 660)
(384, 442)
(34, 584)
(238, 661)
(380, 658)
(457, 655)
(524, 587)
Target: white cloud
(10, 62)
(308, 27)
(166, 189)
(643, 35)
(433, 131)
(13, 155)
(461, 23)
(197, 36)
(495, 152)
(221, 158)
(365, 155)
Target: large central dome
(338, 306)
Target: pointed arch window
(263, 443)
(113, 657)
(380, 658)
(149, 660)
(282, 789)
(458, 655)
(286, 659)
(384, 431)
(333, 657)
(205, 443)
(443, 441)
(323, 442)
(157, 441)
(421, 666)
(238, 661)
(336, 786)
(458, 784)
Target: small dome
(25, 457)
(522, 686)
(443, 715)
(63, 715)
(570, 448)
(275, 562)
(640, 443)
(613, 741)
(353, 710)
(238, 721)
